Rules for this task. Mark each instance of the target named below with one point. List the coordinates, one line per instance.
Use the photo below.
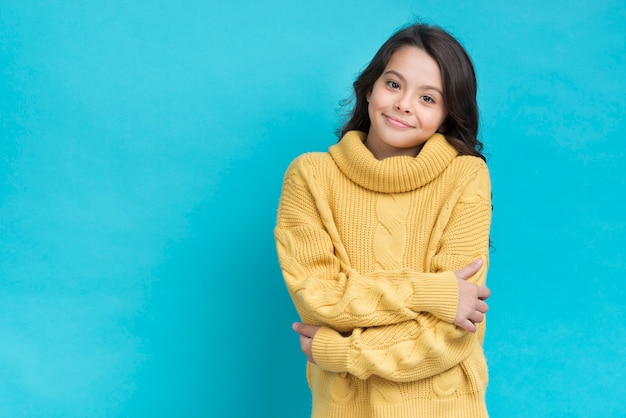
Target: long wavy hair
(459, 85)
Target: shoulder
(310, 158)
(469, 163)
(468, 166)
(306, 165)
(472, 176)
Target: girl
(377, 237)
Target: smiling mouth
(398, 123)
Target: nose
(403, 104)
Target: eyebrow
(427, 87)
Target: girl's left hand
(307, 332)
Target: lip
(397, 123)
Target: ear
(368, 95)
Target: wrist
(437, 295)
(331, 350)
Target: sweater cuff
(331, 350)
(439, 296)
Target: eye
(428, 99)
(393, 84)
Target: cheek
(442, 126)
(438, 119)
(443, 123)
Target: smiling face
(405, 105)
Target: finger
(483, 293)
(482, 306)
(297, 327)
(304, 329)
(305, 344)
(468, 326)
(469, 270)
(477, 317)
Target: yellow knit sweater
(368, 249)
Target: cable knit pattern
(390, 235)
(367, 249)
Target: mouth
(398, 123)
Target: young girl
(377, 237)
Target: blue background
(142, 148)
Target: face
(405, 105)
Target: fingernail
(480, 261)
(294, 326)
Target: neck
(380, 151)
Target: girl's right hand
(471, 308)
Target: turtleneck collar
(394, 174)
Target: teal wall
(142, 147)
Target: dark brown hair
(459, 85)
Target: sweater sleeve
(425, 346)
(326, 291)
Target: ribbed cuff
(331, 350)
(438, 295)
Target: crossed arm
(471, 308)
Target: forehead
(414, 64)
